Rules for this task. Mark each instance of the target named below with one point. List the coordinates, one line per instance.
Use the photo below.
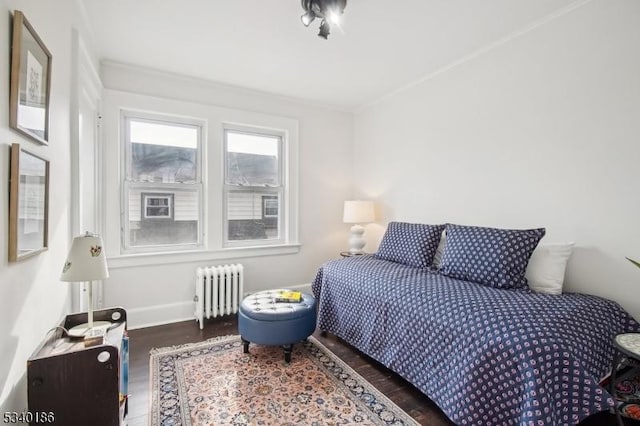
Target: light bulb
(334, 17)
(308, 18)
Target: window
(162, 183)
(253, 187)
(157, 206)
(196, 182)
(269, 206)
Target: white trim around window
(252, 192)
(136, 184)
(214, 121)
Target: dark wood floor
(398, 390)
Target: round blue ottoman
(264, 321)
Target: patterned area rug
(215, 383)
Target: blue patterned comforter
(484, 355)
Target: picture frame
(28, 204)
(30, 81)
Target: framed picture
(28, 204)
(30, 81)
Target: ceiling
(262, 45)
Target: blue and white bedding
(484, 355)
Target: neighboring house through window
(253, 186)
(162, 185)
(200, 182)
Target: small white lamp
(357, 212)
(86, 262)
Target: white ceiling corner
(262, 45)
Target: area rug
(215, 383)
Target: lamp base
(83, 330)
(356, 239)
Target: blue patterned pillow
(412, 244)
(489, 256)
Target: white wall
(32, 298)
(161, 293)
(541, 130)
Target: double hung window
(253, 187)
(162, 185)
(206, 187)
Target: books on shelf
(289, 296)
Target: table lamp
(357, 212)
(86, 262)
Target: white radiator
(219, 290)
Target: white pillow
(545, 271)
(437, 258)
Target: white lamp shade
(86, 260)
(358, 211)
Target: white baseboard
(150, 316)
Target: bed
(484, 355)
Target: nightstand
(349, 254)
(79, 382)
(628, 355)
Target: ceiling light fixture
(327, 10)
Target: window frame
(212, 117)
(159, 188)
(281, 190)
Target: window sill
(146, 259)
